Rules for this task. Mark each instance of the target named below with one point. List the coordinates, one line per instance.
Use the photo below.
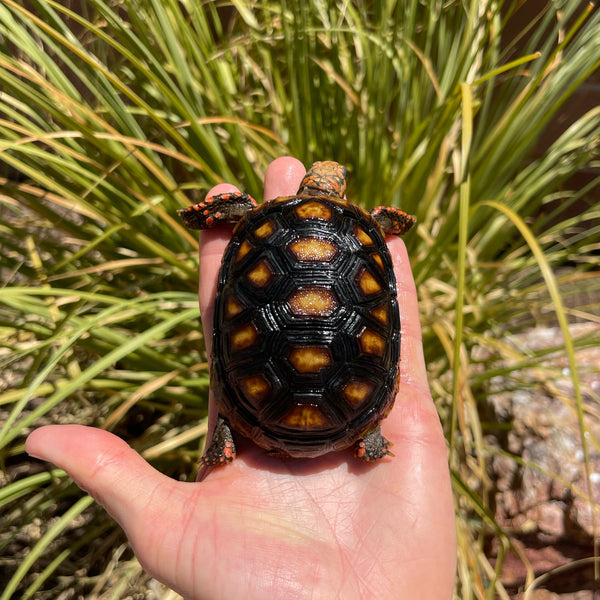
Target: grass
(113, 117)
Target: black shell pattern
(306, 338)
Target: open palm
(322, 528)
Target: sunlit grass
(111, 120)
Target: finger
(414, 405)
(283, 177)
(211, 248)
(100, 463)
(412, 358)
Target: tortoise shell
(306, 338)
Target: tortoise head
(324, 178)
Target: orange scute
(313, 302)
(371, 343)
(243, 337)
(367, 283)
(356, 391)
(313, 249)
(306, 417)
(260, 275)
(309, 359)
(313, 210)
(256, 388)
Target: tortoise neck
(319, 190)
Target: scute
(313, 302)
(313, 249)
(306, 339)
(306, 417)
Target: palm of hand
(262, 527)
(323, 528)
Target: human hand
(326, 527)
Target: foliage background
(115, 114)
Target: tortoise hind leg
(222, 447)
(393, 220)
(222, 208)
(372, 446)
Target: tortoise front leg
(393, 220)
(222, 208)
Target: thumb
(164, 519)
(150, 507)
(102, 464)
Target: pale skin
(322, 528)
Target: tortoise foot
(222, 447)
(372, 446)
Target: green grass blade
(42, 545)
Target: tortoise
(306, 337)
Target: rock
(542, 490)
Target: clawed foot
(372, 446)
(222, 447)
